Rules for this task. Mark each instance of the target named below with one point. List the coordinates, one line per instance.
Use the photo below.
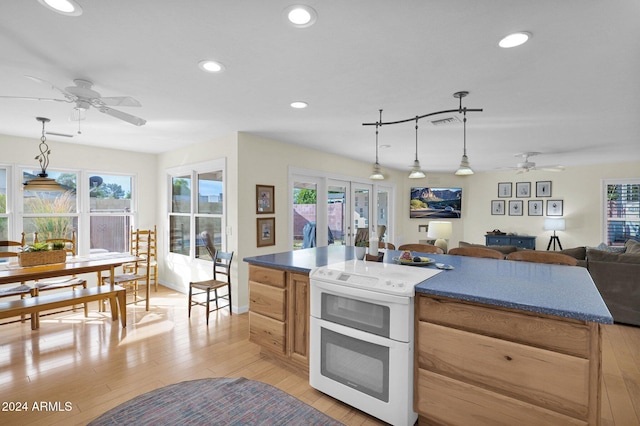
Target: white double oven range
(361, 336)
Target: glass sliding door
(361, 208)
(305, 215)
(337, 213)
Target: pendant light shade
(464, 169)
(43, 182)
(416, 171)
(377, 174)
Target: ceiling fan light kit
(526, 166)
(43, 182)
(416, 171)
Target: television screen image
(435, 203)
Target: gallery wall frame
(543, 188)
(515, 207)
(504, 189)
(536, 208)
(497, 207)
(265, 231)
(523, 189)
(555, 207)
(265, 201)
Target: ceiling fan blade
(59, 134)
(26, 98)
(555, 168)
(121, 101)
(70, 97)
(123, 116)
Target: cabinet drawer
(274, 277)
(267, 300)
(569, 337)
(527, 243)
(437, 394)
(497, 241)
(267, 332)
(536, 376)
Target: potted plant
(42, 254)
(361, 249)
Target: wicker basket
(33, 258)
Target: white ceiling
(572, 92)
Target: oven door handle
(361, 294)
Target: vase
(360, 252)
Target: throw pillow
(632, 246)
(579, 253)
(605, 256)
(610, 249)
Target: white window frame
(605, 218)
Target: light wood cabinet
(279, 313)
(499, 366)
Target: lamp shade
(554, 224)
(439, 230)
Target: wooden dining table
(12, 272)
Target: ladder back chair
(63, 282)
(543, 257)
(221, 266)
(9, 250)
(476, 252)
(144, 244)
(422, 248)
(133, 277)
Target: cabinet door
(298, 318)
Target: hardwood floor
(94, 365)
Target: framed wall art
(504, 190)
(515, 207)
(523, 189)
(497, 207)
(554, 207)
(266, 231)
(536, 207)
(543, 188)
(265, 203)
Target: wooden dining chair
(543, 257)
(422, 248)
(221, 266)
(144, 243)
(8, 250)
(63, 282)
(476, 252)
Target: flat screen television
(435, 203)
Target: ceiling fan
(525, 165)
(84, 97)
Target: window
(110, 212)
(197, 206)
(50, 214)
(622, 211)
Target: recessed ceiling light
(300, 16)
(211, 66)
(63, 7)
(299, 105)
(515, 39)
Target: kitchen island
(496, 341)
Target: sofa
(614, 270)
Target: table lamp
(441, 231)
(553, 224)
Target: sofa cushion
(611, 249)
(605, 256)
(632, 246)
(502, 249)
(579, 253)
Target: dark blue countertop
(565, 291)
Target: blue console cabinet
(519, 241)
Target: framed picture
(504, 190)
(266, 231)
(543, 188)
(497, 207)
(515, 207)
(264, 199)
(523, 189)
(554, 207)
(535, 207)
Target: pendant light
(377, 174)
(43, 182)
(416, 172)
(464, 169)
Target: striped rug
(221, 401)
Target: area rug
(221, 401)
